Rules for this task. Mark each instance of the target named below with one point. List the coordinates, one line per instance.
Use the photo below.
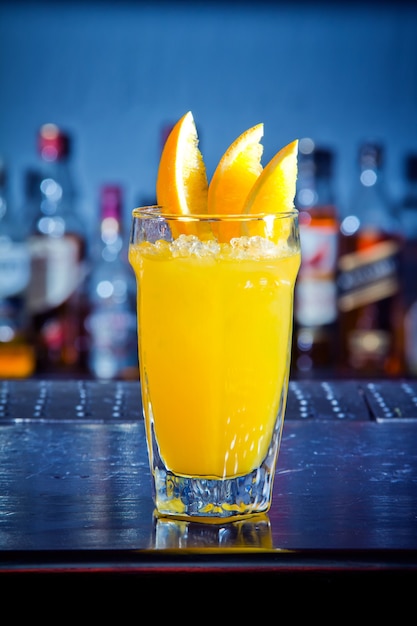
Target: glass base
(217, 500)
(208, 499)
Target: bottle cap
(53, 143)
(111, 201)
(371, 155)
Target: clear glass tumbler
(215, 316)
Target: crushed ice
(238, 248)
(253, 246)
(187, 245)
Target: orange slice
(274, 190)
(239, 184)
(181, 186)
(234, 177)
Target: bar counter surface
(76, 491)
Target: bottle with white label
(369, 285)
(57, 246)
(17, 358)
(315, 303)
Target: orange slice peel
(274, 190)
(239, 185)
(181, 187)
(234, 177)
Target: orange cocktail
(215, 329)
(216, 268)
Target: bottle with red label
(55, 297)
(315, 304)
(369, 284)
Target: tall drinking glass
(215, 321)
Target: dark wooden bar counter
(75, 487)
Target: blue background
(113, 73)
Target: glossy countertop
(76, 491)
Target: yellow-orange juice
(214, 324)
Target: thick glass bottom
(213, 499)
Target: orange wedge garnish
(181, 186)
(239, 184)
(234, 177)
(274, 190)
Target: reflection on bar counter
(247, 534)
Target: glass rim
(155, 211)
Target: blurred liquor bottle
(408, 218)
(58, 253)
(370, 300)
(17, 358)
(112, 321)
(315, 305)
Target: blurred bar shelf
(75, 488)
